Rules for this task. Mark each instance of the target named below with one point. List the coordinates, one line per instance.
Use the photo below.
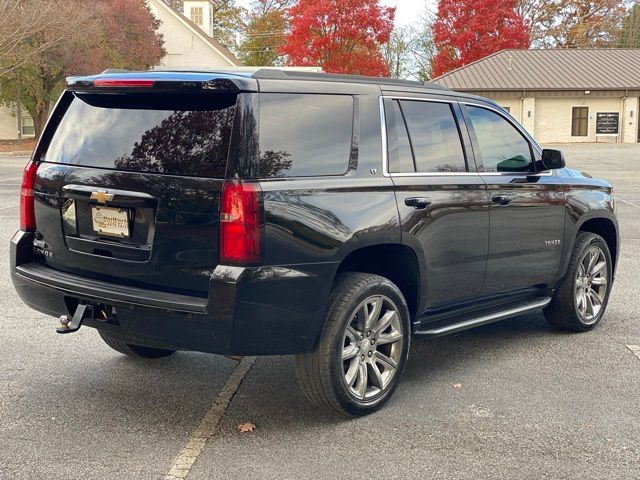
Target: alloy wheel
(591, 284)
(372, 347)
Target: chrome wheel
(372, 347)
(591, 284)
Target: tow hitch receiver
(73, 325)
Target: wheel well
(607, 230)
(398, 263)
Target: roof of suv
(261, 73)
(244, 78)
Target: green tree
(99, 35)
(266, 32)
(533, 11)
(422, 48)
(410, 51)
(227, 22)
(397, 52)
(175, 4)
(629, 36)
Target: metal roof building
(561, 95)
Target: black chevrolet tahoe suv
(278, 212)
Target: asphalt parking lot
(512, 400)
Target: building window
(508, 109)
(28, 128)
(196, 15)
(580, 122)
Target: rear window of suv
(176, 134)
(305, 135)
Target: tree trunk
(40, 119)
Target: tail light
(27, 209)
(240, 235)
(123, 82)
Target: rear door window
(434, 136)
(174, 134)
(400, 153)
(305, 135)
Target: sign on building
(607, 123)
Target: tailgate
(129, 190)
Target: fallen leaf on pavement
(457, 385)
(246, 427)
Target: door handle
(501, 199)
(418, 203)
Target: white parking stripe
(183, 463)
(635, 349)
(627, 202)
(7, 208)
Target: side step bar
(437, 331)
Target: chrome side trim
(485, 319)
(385, 147)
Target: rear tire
(363, 348)
(582, 297)
(134, 350)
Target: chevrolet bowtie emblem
(101, 196)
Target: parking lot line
(627, 202)
(10, 206)
(183, 463)
(635, 349)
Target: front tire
(363, 348)
(582, 298)
(134, 350)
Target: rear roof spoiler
(163, 81)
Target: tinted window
(305, 135)
(400, 155)
(181, 135)
(502, 147)
(434, 136)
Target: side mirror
(552, 159)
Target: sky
(407, 11)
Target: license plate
(110, 222)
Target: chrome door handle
(501, 199)
(418, 203)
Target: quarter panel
(324, 219)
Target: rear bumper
(248, 311)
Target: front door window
(502, 147)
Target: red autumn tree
(341, 36)
(467, 30)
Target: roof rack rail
(116, 70)
(275, 74)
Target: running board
(440, 329)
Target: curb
(21, 153)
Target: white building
(188, 43)
(188, 36)
(561, 95)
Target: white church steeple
(200, 12)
